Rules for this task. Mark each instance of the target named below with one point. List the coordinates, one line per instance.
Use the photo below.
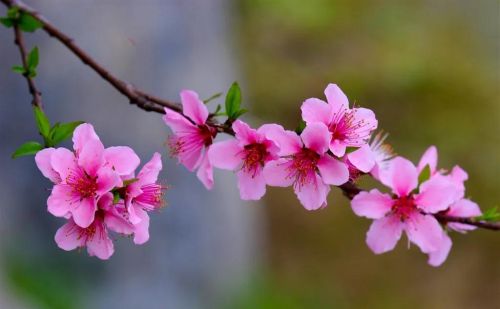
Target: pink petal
(150, 171)
(83, 134)
(117, 223)
(43, 162)
(384, 234)
(430, 158)
(107, 179)
(288, 141)
(277, 173)
(63, 162)
(463, 208)
(312, 195)
(436, 194)
(91, 157)
(177, 122)
(141, 230)
(316, 110)
(363, 159)
(58, 203)
(193, 107)
(336, 98)
(401, 176)
(436, 258)
(244, 133)
(424, 231)
(252, 187)
(458, 174)
(100, 244)
(205, 173)
(226, 154)
(373, 204)
(83, 211)
(123, 159)
(316, 136)
(337, 148)
(333, 171)
(68, 236)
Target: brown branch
(19, 41)
(150, 102)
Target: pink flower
(348, 127)
(83, 176)
(248, 153)
(405, 210)
(382, 152)
(144, 193)
(305, 164)
(192, 136)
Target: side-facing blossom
(248, 153)
(382, 153)
(82, 176)
(192, 136)
(405, 210)
(305, 164)
(349, 127)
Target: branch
(149, 102)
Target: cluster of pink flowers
(332, 149)
(96, 191)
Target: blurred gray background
(204, 245)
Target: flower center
(404, 207)
(303, 166)
(207, 134)
(151, 197)
(82, 184)
(254, 156)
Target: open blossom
(405, 210)
(382, 153)
(305, 164)
(109, 217)
(248, 153)
(144, 193)
(192, 136)
(82, 176)
(348, 127)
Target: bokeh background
(430, 70)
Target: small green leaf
(116, 197)
(239, 113)
(129, 181)
(42, 122)
(62, 131)
(233, 101)
(491, 214)
(18, 69)
(13, 13)
(28, 148)
(33, 58)
(351, 149)
(7, 22)
(28, 23)
(300, 127)
(215, 96)
(424, 175)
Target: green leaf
(13, 13)
(233, 101)
(18, 69)
(42, 122)
(28, 23)
(7, 22)
(215, 96)
(28, 148)
(351, 149)
(62, 131)
(300, 127)
(116, 197)
(239, 113)
(33, 58)
(129, 181)
(424, 175)
(491, 214)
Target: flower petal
(244, 133)
(337, 99)
(333, 171)
(430, 158)
(177, 122)
(312, 195)
(401, 176)
(363, 159)
(123, 159)
(338, 147)
(316, 136)
(424, 231)
(226, 154)
(384, 234)
(205, 173)
(150, 171)
(436, 258)
(436, 194)
(100, 244)
(373, 204)
(252, 187)
(68, 237)
(63, 162)
(277, 173)
(91, 157)
(316, 110)
(141, 230)
(44, 164)
(463, 208)
(58, 203)
(82, 134)
(117, 223)
(193, 107)
(107, 179)
(288, 141)
(83, 211)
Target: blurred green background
(430, 70)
